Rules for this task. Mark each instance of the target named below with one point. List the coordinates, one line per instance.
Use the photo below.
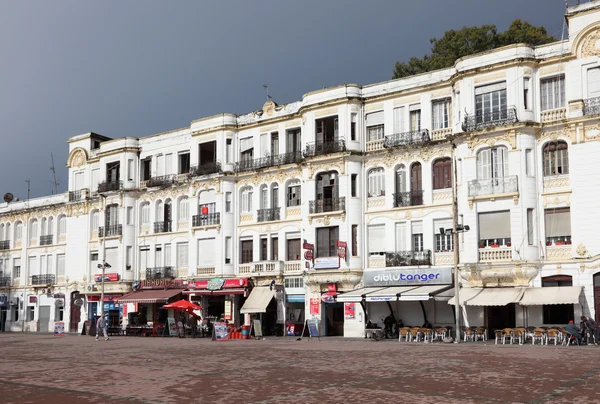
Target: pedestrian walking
(101, 324)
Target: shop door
(44, 319)
(3, 319)
(75, 312)
(498, 317)
(335, 319)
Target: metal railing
(4, 245)
(591, 106)
(490, 119)
(407, 138)
(43, 279)
(268, 215)
(412, 198)
(47, 239)
(162, 227)
(206, 220)
(494, 186)
(327, 205)
(161, 181)
(325, 147)
(205, 169)
(110, 231)
(109, 186)
(160, 273)
(5, 281)
(407, 258)
(269, 161)
(75, 196)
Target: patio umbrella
(183, 305)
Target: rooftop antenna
(266, 87)
(28, 181)
(55, 184)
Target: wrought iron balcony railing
(109, 186)
(489, 119)
(206, 220)
(591, 106)
(4, 281)
(407, 138)
(327, 205)
(407, 258)
(4, 245)
(43, 279)
(161, 181)
(160, 273)
(110, 231)
(46, 240)
(268, 215)
(494, 186)
(75, 196)
(325, 147)
(412, 198)
(205, 169)
(269, 161)
(162, 227)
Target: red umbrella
(184, 305)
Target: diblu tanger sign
(408, 277)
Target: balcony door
(416, 179)
(327, 129)
(112, 172)
(593, 82)
(207, 153)
(492, 163)
(490, 102)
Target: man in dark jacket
(592, 327)
(572, 329)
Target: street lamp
(104, 265)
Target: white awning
(355, 295)
(387, 294)
(424, 292)
(551, 295)
(488, 296)
(258, 300)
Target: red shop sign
(227, 284)
(112, 277)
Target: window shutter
(399, 120)
(400, 236)
(494, 225)
(376, 238)
(558, 222)
(375, 118)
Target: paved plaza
(39, 368)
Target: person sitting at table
(572, 329)
(370, 325)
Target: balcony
(408, 258)
(162, 227)
(43, 280)
(407, 138)
(205, 169)
(46, 240)
(262, 267)
(4, 245)
(161, 181)
(268, 215)
(553, 115)
(79, 195)
(325, 147)
(404, 199)
(327, 205)
(591, 106)
(110, 186)
(494, 186)
(484, 120)
(210, 219)
(160, 273)
(5, 281)
(110, 231)
(268, 161)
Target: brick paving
(76, 369)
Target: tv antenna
(266, 87)
(55, 183)
(28, 181)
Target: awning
(150, 296)
(387, 294)
(551, 295)
(295, 298)
(258, 300)
(488, 296)
(423, 292)
(445, 295)
(355, 295)
(232, 291)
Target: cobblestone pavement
(39, 368)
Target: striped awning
(150, 296)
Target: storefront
(144, 305)
(219, 298)
(295, 300)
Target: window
(556, 158)
(18, 231)
(145, 213)
(33, 230)
(553, 93)
(353, 127)
(417, 236)
(441, 114)
(207, 153)
(263, 249)
(293, 249)
(293, 194)
(327, 238)
(228, 250)
(60, 265)
(415, 117)
(129, 214)
(17, 268)
(327, 186)
(146, 170)
(246, 252)
(529, 163)
(400, 180)
(530, 227)
(264, 197)
(399, 120)
(128, 258)
(93, 256)
(442, 173)
(182, 255)
(274, 249)
(355, 240)
(246, 206)
(275, 196)
(30, 313)
(490, 102)
(494, 229)
(112, 216)
(227, 202)
(443, 242)
(32, 266)
(558, 313)
(130, 173)
(228, 151)
(293, 282)
(183, 212)
(353, 178)
(375, 132)
(376, 239)
(526, 101)
(184, 162)
(62, 226)
(376, 182)
(416, 181)
(294, 141)
(558, 226)
(492, 163)
(246, 149)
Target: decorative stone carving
(269, 108)
(591, 44)
(316, 168)
(592, 132)
(77, 158)
(519, 275)
(558, 253)
(582, 250)
(474, 141)
(557, 182)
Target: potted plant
(568, 242)
(508, 243)
(559, 242)
(548, 243)
(482, 244)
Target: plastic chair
(570, 337)
(427, 334)
(440, 333)
(507, 335)
(517, 335)
(404, 332)
(415, 334)
(480, 333)
(552, 334)
(538, 335)
(470, 334)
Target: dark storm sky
(135, 68)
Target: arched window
(95, 220)
(145, 213)
(50, 229)
(183, 212)
(416, 184)
(275, 195)
(207, 202)
(293, 194)
(62, 226)
(7, 232)
(556, 158)
(442, 173)
(160, 211)
(246, 200)
(33, 230)
(492, 163)
(18, 231)
(327, 185)
(376, 178)
(264, 197)
(44, 227)
(2, 232)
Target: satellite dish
(8, 197)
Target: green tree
(468, 41)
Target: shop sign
(327, 298)
(327, 263)
(342, 246)
(107, 298)
(112, 277)
(227, 283)
(221, 332)
(349, 311)
(315, 306)
(215, 284)
(227, 315)
(32, 299)
(3, 300)
(162, 284)
(408, 277)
